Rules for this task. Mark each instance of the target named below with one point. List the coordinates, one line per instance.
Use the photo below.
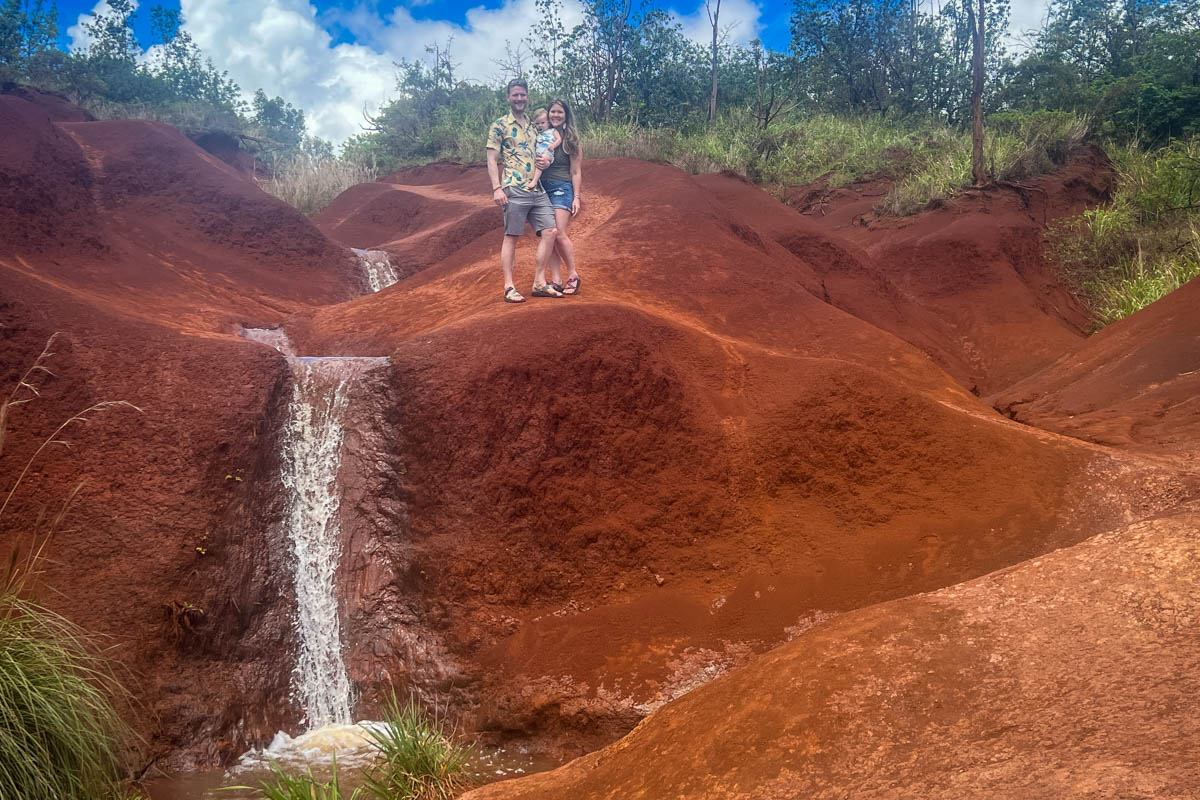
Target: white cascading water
(311, 458)
(311, 462)
(377, 268)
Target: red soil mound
(966, 283)
(429, 174)
(416, 228)
(698, 453)
(136, 216)
(46, 197)
(1062, 677)
(1136, 382)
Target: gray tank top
(560, 169)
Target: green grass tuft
(61, 737)
(417, 759)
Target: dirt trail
(566, 514)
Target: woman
(563, 182)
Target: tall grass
(60, 736)
(310, 183)
(62, 739)
(417, 759)
(1016, 146)
(1146, 242)
(928, 161)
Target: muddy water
(487, 766)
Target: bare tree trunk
(978, 169)
(713, 15)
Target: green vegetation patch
(1146, 242)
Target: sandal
(546, 290)
(511, 295)
(572, 286)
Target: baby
(547, 140)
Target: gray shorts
(525, 205)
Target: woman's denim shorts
(562, 193)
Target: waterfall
(377, 268)
(311, 459)
(272, 337)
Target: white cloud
(81, 40)
(1025, 15)
(280, 47)
(478, 44)
(284, 47)
(739, 20)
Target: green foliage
(1134, 65)
(435, 116)
(280, 120)
(416, 758)
(1146, 242)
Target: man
(510, 157)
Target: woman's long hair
(570, 134)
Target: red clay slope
(416, 228)
(965, 283)
(143, 253)
(614, 497)
(1066, 676)
(1137, 382)
(137, 217)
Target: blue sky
(335, 59)
(774, 19)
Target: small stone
(659, 579)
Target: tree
(545, 41)
(178, 62)
(279, 119)
(28, 31)
(978, 169)
(772, 84)
(112, 34)
(12, 21)
(714, 16)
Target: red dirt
(562, 515)
(1066, 676)
(1137, 382)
